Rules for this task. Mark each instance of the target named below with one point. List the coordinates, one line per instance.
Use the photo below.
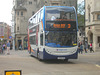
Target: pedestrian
(86, 47)
(8, 47)
(91, 49)
(4, 46)
(81, 48)
(20, 47)
(0, 48)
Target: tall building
(5, 32)
(24, 9)
(92, 18)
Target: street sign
(10, 37)
(13, 72)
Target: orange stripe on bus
(32, 50)
(42, 24)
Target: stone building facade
(24, 9)
(92, 17)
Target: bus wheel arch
(38, 55)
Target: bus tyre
(66, 60)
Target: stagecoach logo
(61, 49)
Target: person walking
(91, 49)
(0, 48)
(8, 47)
(81, 48)
(86, 47)
(4, 46)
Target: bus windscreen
(60, 19)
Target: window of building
(64, 2)
(33, 13)
(93, 17)
(88, 27)
(89, 14)
(35, 0)
(18, 28)
(21, 13)
(18, 13)
(98, 39)
(45, 1)
(79, 34)
(54, 4)
(98, 17)
(30, 2)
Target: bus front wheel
(66, 60)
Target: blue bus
(52, 33)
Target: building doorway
(90, 37)
(19, 44)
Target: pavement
(86, 64)
(15, 53)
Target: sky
(5, 11)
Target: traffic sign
(10, 37)
(13, 72)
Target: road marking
(98, 66)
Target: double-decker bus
(52, 33)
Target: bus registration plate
(61, 58)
